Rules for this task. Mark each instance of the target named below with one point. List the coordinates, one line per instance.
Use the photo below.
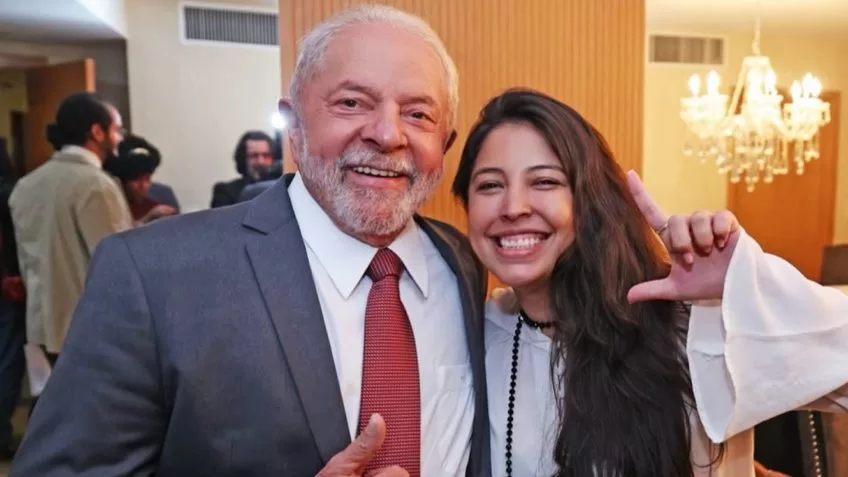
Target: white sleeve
(775, 343)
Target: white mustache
(374, 160)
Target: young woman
(581, 381)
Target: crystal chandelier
(754, 140)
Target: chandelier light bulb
(811, 86)
(795, 90)
(695, 85)
(807, 84)
(713, 82)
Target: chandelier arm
(737, 91)
(755, 46)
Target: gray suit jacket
(198, 348)
(252, 191)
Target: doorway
(31, 93)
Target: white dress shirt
(430, 294)
(743, 356)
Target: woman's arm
(775, 343)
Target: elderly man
(259, 339)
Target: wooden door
(47, 86)
(793, 217)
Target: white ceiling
(51, 20)
(822, 16)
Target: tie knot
(384, 264)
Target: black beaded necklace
(522, 319)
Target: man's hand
(352, 461)
(157, 212)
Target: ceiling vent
(228, 25)
(686, 50)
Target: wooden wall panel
(587, 53)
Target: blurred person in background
(263, 183)
(134, 166)
(12, 298)
(62, 210)
(254, 155)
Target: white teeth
(519, 241)
(375, 172)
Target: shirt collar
(89, 156)
(345, 258)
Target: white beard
(361, 210)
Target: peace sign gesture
(700, 245)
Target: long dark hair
(627, 393)
(240, 154)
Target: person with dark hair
(62, 210)
(251, 191)
(588, 368)
(254, 158)
(12, 299)
(134, 166)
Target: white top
(743, 355)
(430, 294)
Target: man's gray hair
(314, 46)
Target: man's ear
(97, 133)
(295, 144)
(451, 139)
(285, 106)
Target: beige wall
(683, 184)
(194, 101)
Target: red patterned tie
(390, 369)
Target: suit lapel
(278, 257)
(463, 265)
(472, 289)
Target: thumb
(353, 459)
(392, 472)
(367, 443)
(662, 289)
